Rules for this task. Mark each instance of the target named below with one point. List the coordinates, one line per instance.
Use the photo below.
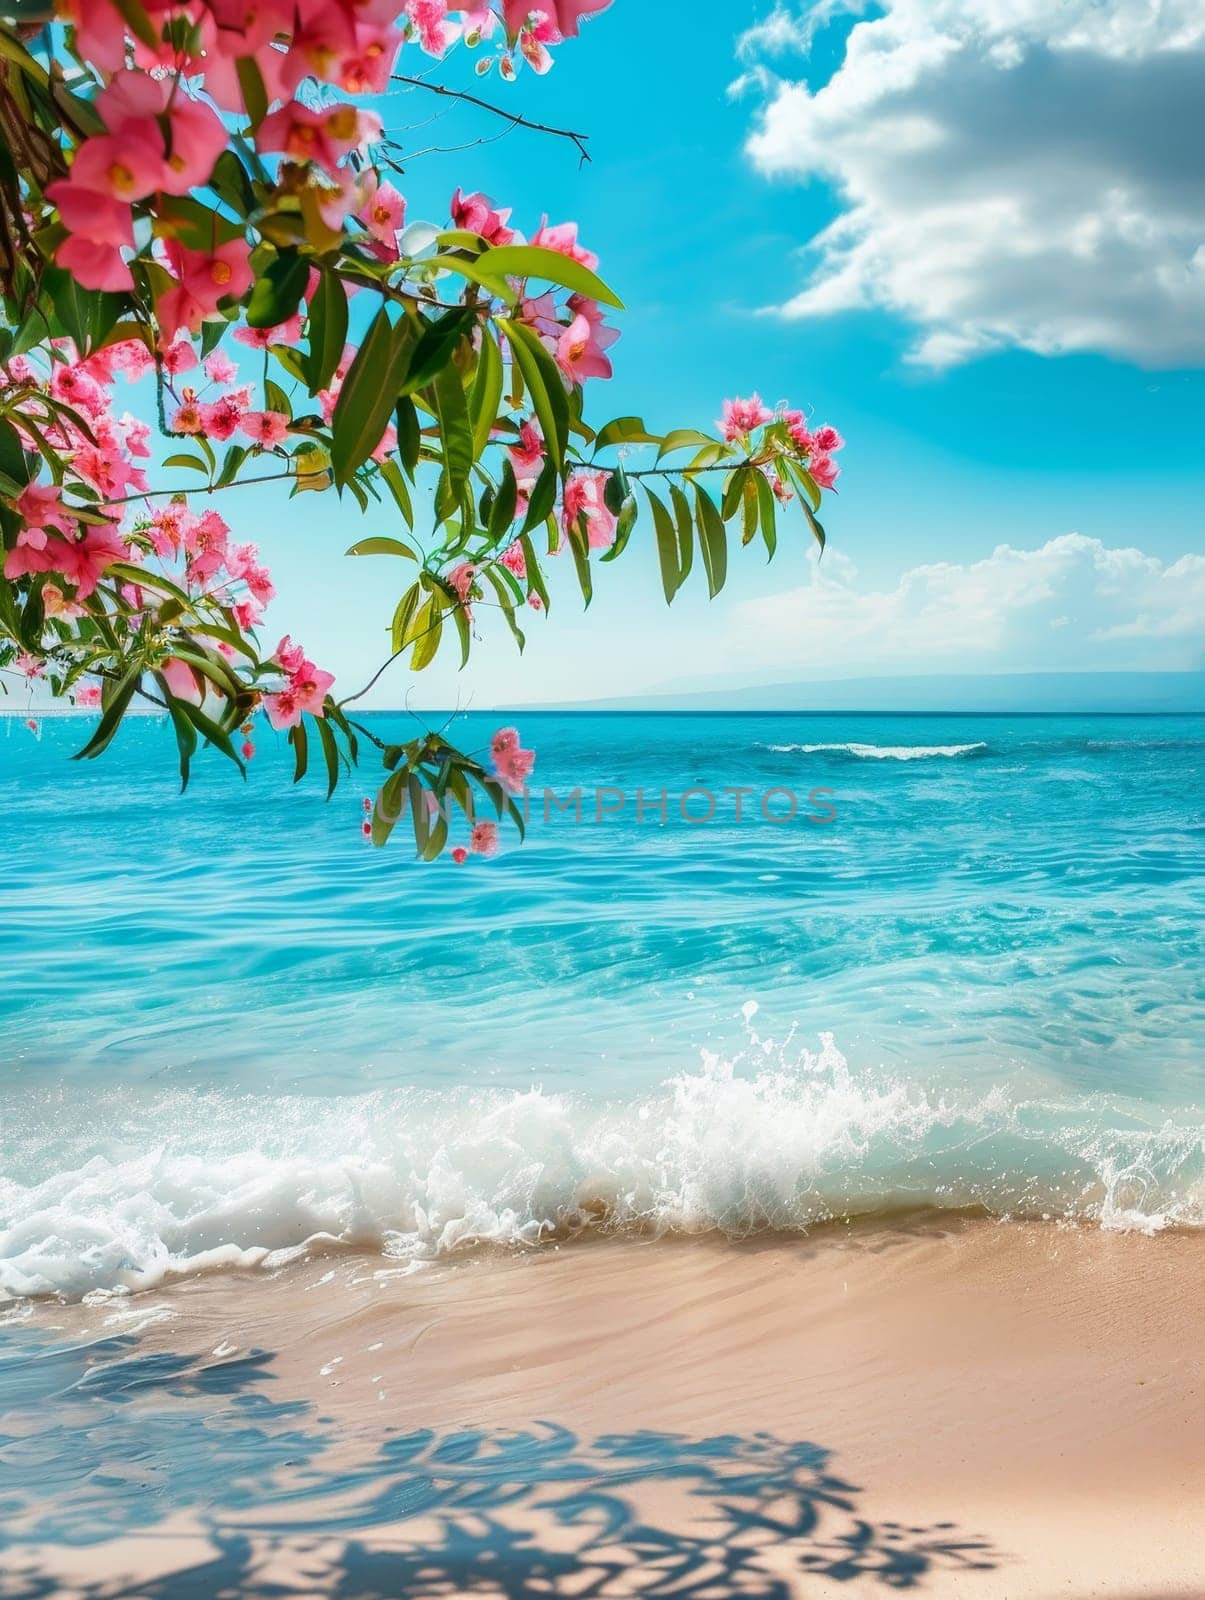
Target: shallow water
(230, 1026)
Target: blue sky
(1008, 326)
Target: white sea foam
(881, 752)
(236, 1181)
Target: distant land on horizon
(1066, 692)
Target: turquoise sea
(230, 1026)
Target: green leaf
(368, 395)
(278, 291)
(543, 497)
(769, 514)
(382, 547)
(327, 331)
(456, 434)
(680, 438)
(543, 378)
(502, 513)
(579, 547)
(625, 430)
(186, 734)
(403, 618)
(255, 95)
(192, 462)
(300, 741)
(330, 754)
(616, 490)
(427, 630)
(115, 709)
(486, 394)
(437, 342)
(88, 315)
(409, 436)
(535, 577)
(534, 261)
(396, 484)
(713, 541)
(686, 532)
(733, 490)
(624, 523)
(667, 547)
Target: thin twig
(513, 117)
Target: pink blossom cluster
(512, 764)
(100, 454)
(162, 117)
(305, 689)
(73, 533)
(742, 418)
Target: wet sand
(957, 1407)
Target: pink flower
(367, 69)
(205, 545)
(323, 136)
(288, 332)
(288, 656)
(95, 266)
(167, 529)
(306, 690)
(460, 855)
(514, 767)
(220, 368)
(224, 417)
(247, 750)
(579, 355)
(178, 357)
(188, 418)
(87, 695)
(584, 507)
(476, 214)
(181, 680)
(534, 601)
(461, 579)
(483, 841)
(55, 604)
(81, 561)
(742, 416)
(265, 427)
(197, 139)
(503, 742)
(384, 214)
(131, 357)
(527, 456)
(828, 440)
(40, 507)
(242, 562)
(565, 13)
(126, 165)
(203, 279)
(562, 237)
(825, 470)
(513, 559)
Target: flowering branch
(177, 191)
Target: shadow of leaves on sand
(289, 1506)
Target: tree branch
(513, 117)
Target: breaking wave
(195, 1181)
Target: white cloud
(1062, 607)
(1010, 172)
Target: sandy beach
(962, 1407)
